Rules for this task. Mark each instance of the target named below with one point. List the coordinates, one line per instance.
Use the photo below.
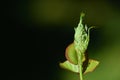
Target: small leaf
(69, 66)
(70, 54)
(91, 66)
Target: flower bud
(81, 37)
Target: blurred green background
(44, 28)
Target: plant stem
(80, 65)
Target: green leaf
(70, 54)
(69, 66)
(91, 65)
(74, 68)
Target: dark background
(36, 39)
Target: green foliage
(71, 54)
(77, 58)
(69, 66)
(92, 64)
(74, 68)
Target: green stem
(80, 66)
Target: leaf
(91, 66)
(69, 66)
(70, 54)
(74, 68)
